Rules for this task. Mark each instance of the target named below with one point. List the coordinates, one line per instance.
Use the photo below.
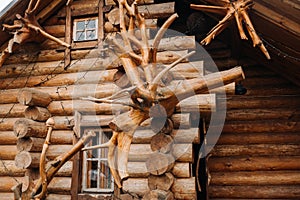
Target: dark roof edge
(8, 7)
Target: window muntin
(96, 173)
(85, 29)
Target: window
(96, 176)
(85, 29)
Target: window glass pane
(90, 35)
(105, 176)
(92, 174)
(91, 24)
(80, 25)
(80, 35)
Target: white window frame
(85, 161)
(86, 20)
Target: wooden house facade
(257, 155)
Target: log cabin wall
(66, 76)
(257, 154)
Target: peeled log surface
(158, 194)
(7, 137)
(256, 149)
(183, 152)
(184, 188)
(161, 143)
(137, 186)
(198, 103)
(157, 10)
(261, 102)
(258, 138)
(57, 137)
(88, 107)
(262, 126)
(60, 185)
(159, 163)
(7, 182)
(180, 121)
(37, 113)
(12, 110)
(256, 178)
(8, 152)
(7, 124)
(30, 144)
(84, 64)
(191, 135)
(255, 192)
(139, 170)
(263, 114)
(29, 128)
(10, 196)
(182, 170)
(162, 182)
(25, 160)
(8, 167)
(32, 97)
(253, 163)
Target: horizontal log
(184, 188)
(12, 110)
(26, 160)
(8, 137)
(234, 102)
(183, 152)
(287, 89)
(30, 144)
(7, 124)
(255, 192)
(198, 103)
(180, 120)
(59, 79)
(161, 10)
(182, 170)
(256, 149)
(86, 61)
(32, 97)
(137, 186)
(253, 163)
(261, 126)
(8, 152)
(56, 30)
(139, 170)
(57, 137)
(150, 11)
(37, 113)
(257, 138)
(7, 182)
(10, 196)
(180, 136)
(8, 168)
(69, 107)
(256, 178)
(141, 152)
(29, 128)
(60, 185)
(263, 114)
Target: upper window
(96, 173)
(85, 29)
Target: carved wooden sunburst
(238, 10)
